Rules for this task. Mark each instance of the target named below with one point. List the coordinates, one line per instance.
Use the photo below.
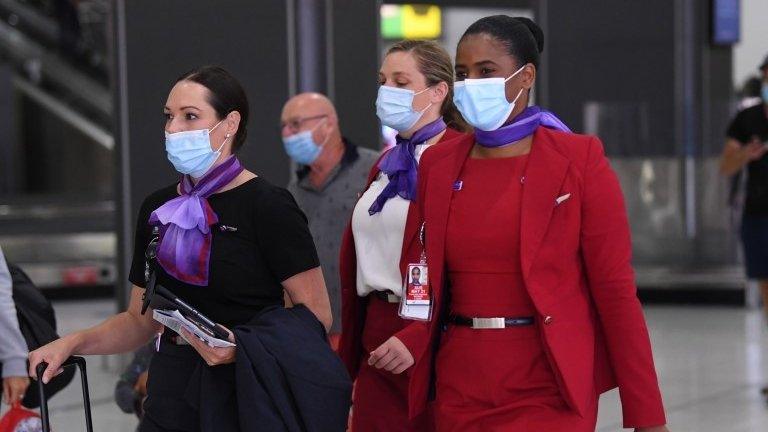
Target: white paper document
(415, 312)
(174, 320)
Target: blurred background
(83, 83)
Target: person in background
(746, 146)
(750, 93)
(415, 98)
(13, 348)
(131, 389)
(331, 172)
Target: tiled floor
(711, 362)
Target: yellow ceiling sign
(411, 22)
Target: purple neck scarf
(185, 235)
(523, 125)
(401, 167)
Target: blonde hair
(436, 66)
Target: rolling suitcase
(71, 362)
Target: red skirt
(380, 400)
(500, 380)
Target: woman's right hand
(755, 150)
(54, 353)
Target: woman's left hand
(213, 356)
(652, 429)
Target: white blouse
(379, 238)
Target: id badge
(416, 302)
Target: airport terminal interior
(82, 89)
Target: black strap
(384, 295)
(150, 254)
(150, 269)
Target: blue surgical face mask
(190, 152)
(483, 102)
(394, 106)
(302, 148)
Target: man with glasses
(331, 171)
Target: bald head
(309, 104)
(305, 110)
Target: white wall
(753, 47)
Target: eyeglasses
(294, 125)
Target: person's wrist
(75, 342)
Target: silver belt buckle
(393, 298)
(488, 323)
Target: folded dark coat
(287, 378)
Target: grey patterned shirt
(328, 210)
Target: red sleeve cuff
(414, 336)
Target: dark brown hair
(522, 37)
(226, 95)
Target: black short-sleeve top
(752, 123)
(261, 239)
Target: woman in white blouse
(415, 98)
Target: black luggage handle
(72, 361)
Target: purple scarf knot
(401, 167)
(523, 125)
(185, 235)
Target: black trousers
(171, 394)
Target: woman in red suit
(415, 98)
(528, 248)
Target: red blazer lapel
(441, 179)
(543, 179)
(410, 238)
(413, 222)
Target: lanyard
(422, 240)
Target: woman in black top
(253, 246)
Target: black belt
(490, 323)
(387, 296)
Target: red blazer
(576, 263)
(353, 307)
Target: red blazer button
(547, 319)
